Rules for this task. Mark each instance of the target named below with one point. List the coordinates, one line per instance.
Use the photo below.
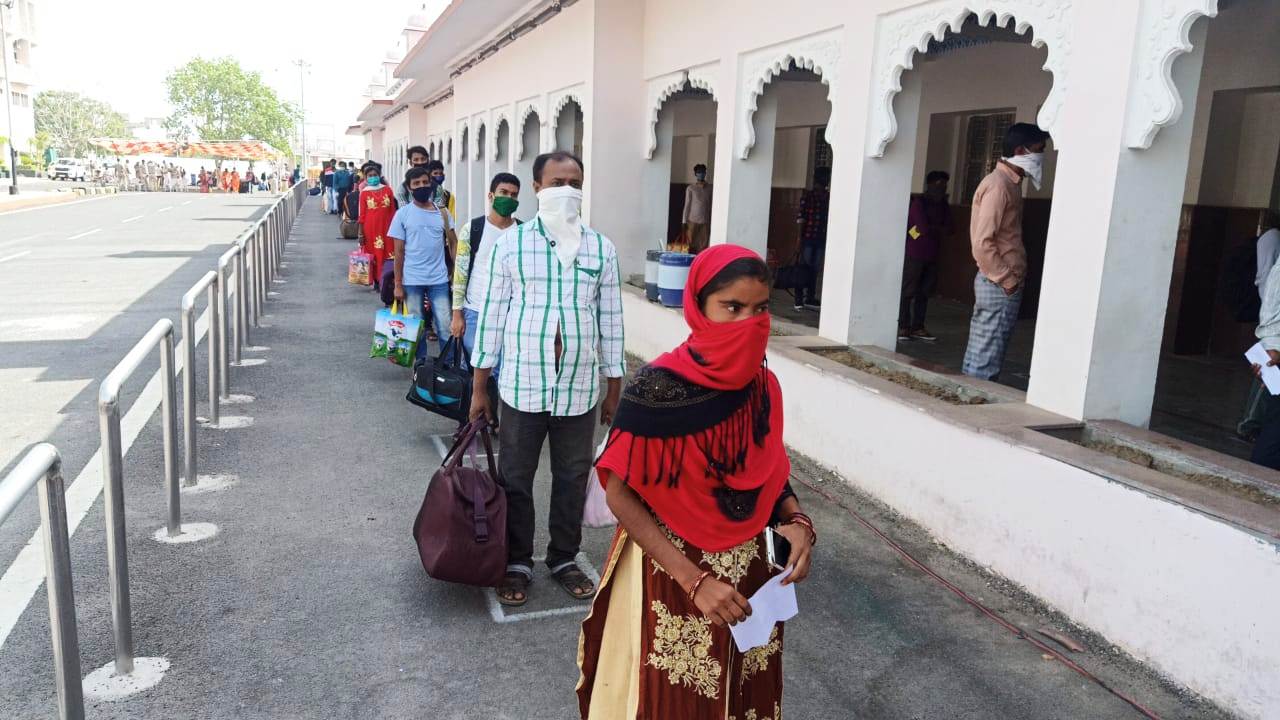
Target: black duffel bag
(795, 276)
(442, 384)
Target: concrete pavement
(311, 601)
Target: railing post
(264, 274)
(215, 352)
(113, 508)
(224, 317)
(242, 308)
(169, 415)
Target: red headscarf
(699, 432)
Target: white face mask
(1032, 164)
(560, 210)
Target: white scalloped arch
(659, 92)
(900, 35)
(479, 137)
(517, 130)
(819, 54)
(499, 120)
(1164, 34)
(561, 102)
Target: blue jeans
(472, 318)
(441, 301)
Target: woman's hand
(719, 602)
(801, 551)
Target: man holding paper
(1266, 451)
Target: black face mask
(422, 194)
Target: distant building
(150, 129)
(22, 32)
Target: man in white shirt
(697, 210)
(1267, 249)
(553, 306)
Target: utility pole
(302, 95)
(8, 97)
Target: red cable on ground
(1023, 634)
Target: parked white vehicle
(68, 169)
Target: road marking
(186, 202)
(23, 239)
(166, 209)
(25, 575)
(54, 205)
(86, 233)
(131, 219)
(15, 256)
(500, 615)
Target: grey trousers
(520, 444)
(994, 315)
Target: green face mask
(504, 205)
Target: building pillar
(1112, 233)
(655, 190)
(615, 123)
(745, 216)
(862, 283)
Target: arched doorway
(461, 186)
(684, 138)
(502, 146)
(529, 147)
(479, 176)
(569, 128)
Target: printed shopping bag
(596, 512)
(358, 268)
(395, 335)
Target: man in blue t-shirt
(423, 235)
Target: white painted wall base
(104, 685)
(1179, 590)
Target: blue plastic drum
(651, 274)
(673, 271)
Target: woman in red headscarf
(695, 471)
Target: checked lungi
(994, 315)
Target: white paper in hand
(1257, 355)
(772, 603)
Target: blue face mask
(374, 181)
(438, 181)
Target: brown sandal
(575, 582)
(513, 591)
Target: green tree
(69, 119)
(219, 100)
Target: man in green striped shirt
(552, 306)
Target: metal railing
(113, 475)
(189, 339)
(42, 465)
(255, 260)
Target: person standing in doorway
(419, 230)
(552, 304)
(504, 190)
(697, 210)
(417, 157)
(1266, 449)
(995, 232)
(928, 224)
(812, 219)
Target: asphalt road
(311, 602)
(80, 283)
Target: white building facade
(1160, 111)
(22, 35)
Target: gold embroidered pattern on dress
(377, 243)
(386, 201)
(732, 564)
(372, 203)
(756, 660)
(753, 715)
(682, 647)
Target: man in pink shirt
(995, 231)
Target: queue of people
(539, 305)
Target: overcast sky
(120, 52)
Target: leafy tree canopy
(219, 100)
(67, 120)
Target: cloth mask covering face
(422, 194)
(1032, 164)
(505, 206)
(374, 181)
(560, 210)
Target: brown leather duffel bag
(461, 529)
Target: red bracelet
(800, 518)
(693, 590)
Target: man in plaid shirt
(553, 307)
